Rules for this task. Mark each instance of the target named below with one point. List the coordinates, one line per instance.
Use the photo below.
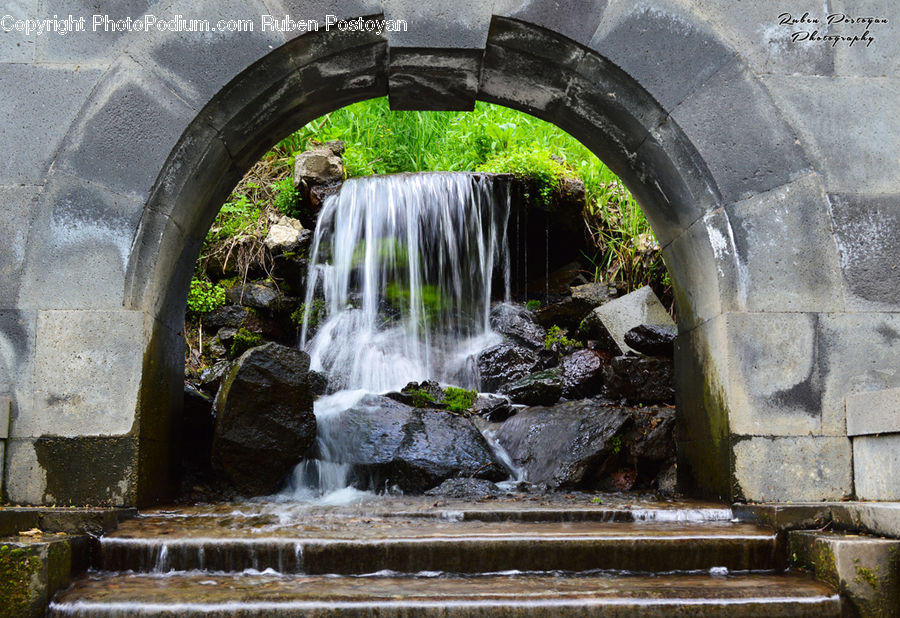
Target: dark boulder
(230, 316)
(653, 339)
(609, 322)
(388, 443)
(318, 383)
(493, 409)
(564, 445)
(211, 377)
(255, 295)
(542, 388)
(652, 439)
(465, 489)
(571, 310)
(583, 373)
(517, 325)
(640, 379)
(264, 418)
(503, 364)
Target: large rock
(640, 379)
(389, 443)
(320, 165)
(582, 373)
(571, 310)
(652, 339)
(609, 322)
(264, 418)
(564, 445)
(255, 295)
(517, 325)
(503, 364)
(542, 388)
(230, 316)
(284, 236)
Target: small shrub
(555, 336)
(459, 399)
(286, 197)
(533, 305)
(204, 296)
(243, 341)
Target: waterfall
(405, 267)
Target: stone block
(866, 228)
(216, 56)
(651, 44)
(876, 466)
(319, 9)
(865, 570)
(853, 157)
(26, 480)
(17, 47)
(802, 468)
(574, 19)
(614, 319)
(739, 132)
(704, 269)
(437, 80)
(756, 33)
(17, 206)
(93, 47)
(88, 367)
(46, 100)
(17, 329)
(685, 190)
(882, 57)
(99, 470)
(79, 246)
(786, 249)
(5, 406)
(111, 144)
(464, 24)
(873, 412)
(857, 353)
(774, 381)
(35, 569)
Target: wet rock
(211, 377)
(542, 388)
(389, 443)
(583, 373)
(318, 383)
(232, 316)
(493, 409)
(428, 394)
(225, 336)
(609, 322)
(503, 364)
(517, 325)
(466, 489)
(640, 379)
(255, 295)
(564, 445)
(652, 439)
(667, 480)
(265, 421)
(571, 310)
(653, 339)
(291, 269)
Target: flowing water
(405, 267)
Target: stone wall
(767, 167)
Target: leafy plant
(555, 335)
(204, 296)
(243, 341)
(615, 444)
(459, 399)
(286, 197)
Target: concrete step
(533, 595)
(369, 544)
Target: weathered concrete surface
(876, 466)
(866, 570)
(879, 518)
(866, 412)
(766, 167)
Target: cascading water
(406, 266)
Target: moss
(243, 341)
(868, 576)
(422, 398)
(555, 335)
(459, 399)
(18, 570)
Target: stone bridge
(769, 168)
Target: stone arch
(719, 172)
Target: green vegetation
(17, 569)
(421, 398)
(459, 399)
(533, 305)
(555, 336)
(317, 313)
(243, 341)
(204, 296)
(867, 575)
(615, 443)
